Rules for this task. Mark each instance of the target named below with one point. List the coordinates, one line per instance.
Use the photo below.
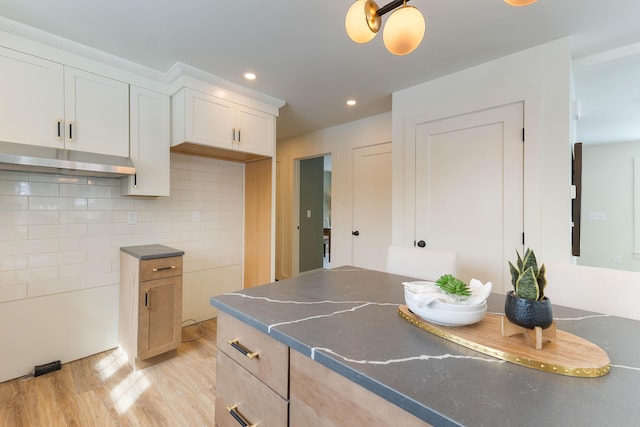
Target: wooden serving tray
(567, 355)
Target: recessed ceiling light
(351, 102)
(249, 76)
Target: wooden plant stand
(537, 335)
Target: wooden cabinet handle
(164, 268)
(239, 418)
(242, 349)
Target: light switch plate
(596, 216)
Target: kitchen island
(347, 320)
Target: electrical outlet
(132, 218)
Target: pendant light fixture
(404, 29)
(520, 2)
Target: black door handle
(422, 243)
(355, 233)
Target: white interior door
(469, 190)
(371, 191)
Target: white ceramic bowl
(444, 313)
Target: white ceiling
(302, 55)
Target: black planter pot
(527, 313)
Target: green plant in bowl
(454, 287)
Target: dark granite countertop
(151, 251)
(347, 320)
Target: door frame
(295, 249)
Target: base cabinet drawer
(242, 398)
(255, 351)
(319, 397)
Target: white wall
(607, 188)
(59, 254)
(541, 77)
(339, 141)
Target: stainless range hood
(33, 158)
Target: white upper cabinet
(150, 139)
(45, 103)
(96, 113)
(207, 120)
(32, 101)
(255, 131)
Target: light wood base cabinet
(150, 308)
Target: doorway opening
(314, 215)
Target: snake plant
(527, 278)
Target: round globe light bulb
(357, 20)
(520, 2)
(404, 30)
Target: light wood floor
(102, 390)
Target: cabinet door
(96, 113)
(32, 99)
(150, 135)
(160, 316)
(256, 131)
(209, 120)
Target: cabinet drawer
(254, 402)
(151, 269)
(270, 358)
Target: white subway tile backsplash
(15, 247)
(57, 258)
(72, 190)
(14, 203)
(87, 242)
(13, 262)
(85, 269)
(57, 203)
(103, 279)
(99, 204)
(64, 233)
(41, 274)
(49, 287)
(100, 254)
(13, 232)
(36, 246)
(85, 217)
